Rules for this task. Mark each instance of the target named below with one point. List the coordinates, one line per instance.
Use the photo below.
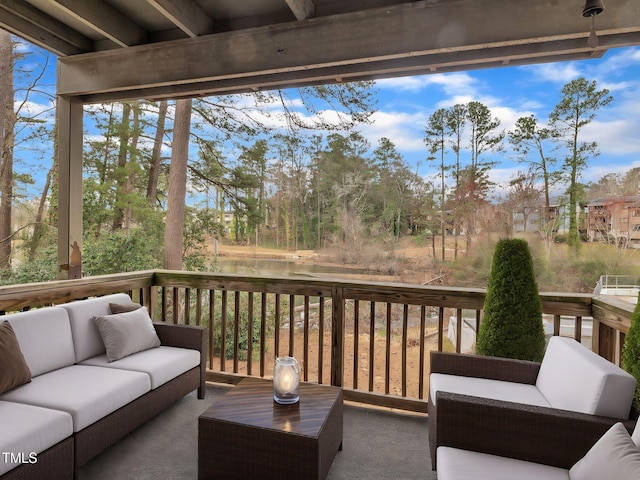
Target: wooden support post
(337, 337)
(69, 112)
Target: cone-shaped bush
(512, 322)
(631, 350)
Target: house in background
(616, 220)
(529, 218)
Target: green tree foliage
(631, 351)
(512, 323)
(532, 142)
(580, 101)
(139, 248)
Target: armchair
(571, 383)
(578, 449)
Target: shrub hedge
(512, 323)
(631, 350)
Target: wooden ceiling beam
(302, 9)
(103, 18)
(22, 19)
(346, 42)
(186, 15)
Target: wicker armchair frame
(537, 434)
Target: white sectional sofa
(82, 396)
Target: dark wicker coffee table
(247, 435)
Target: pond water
(263, 266)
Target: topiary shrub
(512, 323)
(631, 351)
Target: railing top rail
(17, 297)
(452, 297)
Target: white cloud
(554, 72)
(405, 130)
(619, 137)
(452, 84)
(596, 172)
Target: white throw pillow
(613, 456)
(127, 333)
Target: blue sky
(512, 92)
(404, 105)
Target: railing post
(337, 336)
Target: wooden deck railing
(371, 338)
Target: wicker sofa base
(105, 432)
(55, 463)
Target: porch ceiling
(122, 49)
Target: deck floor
(377, 444)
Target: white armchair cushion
(87, 393)
(86, 338)
(635, 436)
(161, 364)
(45, 338)
(613, 456)
(456, 464)
(574, 378)
(26, 429)
(127, 333)
(485, 388)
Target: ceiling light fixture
(591, 9)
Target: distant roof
(630, 199)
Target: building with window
(615, 220)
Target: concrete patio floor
(377, 444)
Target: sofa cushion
(45, 338)
(86, 338)
(14, 371)
(572, 377)
(87, 393)
(485, 388)
(127, 333)
(161, 364)
(614, 455)
(26, 429)
(455, 464)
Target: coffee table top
(251, 403)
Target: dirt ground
(311, 364)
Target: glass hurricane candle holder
(286, 381)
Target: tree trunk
(37, 229)
(154, 172)
(174, 224)
(131, 170)
(121, 176)
(7, 124)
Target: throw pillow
(14, 371)
(126, 333)
(614, 455)
(123, 308)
